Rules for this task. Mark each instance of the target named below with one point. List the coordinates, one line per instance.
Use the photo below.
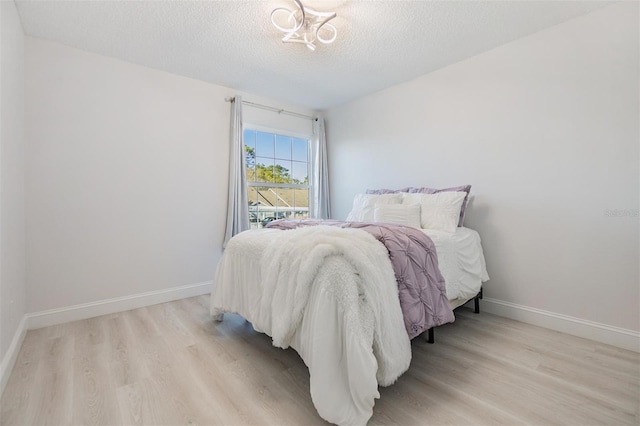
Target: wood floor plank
(212, 382)
(51, 402)
(454, 385)
(125, 357)
(172, 364)
(22, 379)
(570, 376)
(94, 390)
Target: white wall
(127, 172)
(264, 118)
(546, 130)
(12, 224)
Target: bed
(351, 330)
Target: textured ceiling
(232, 43)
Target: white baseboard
(615, 336)
(11, 355)
(110, 306)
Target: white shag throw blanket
(330, 294)
(290, 266)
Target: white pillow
(438, 211)
(401, 214)
(364, 205)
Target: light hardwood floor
(171, 364)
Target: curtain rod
(270, 108)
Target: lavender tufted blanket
(421, 286)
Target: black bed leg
(431, 335)
(476, 302)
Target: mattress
(461, 262)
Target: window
(278, 172)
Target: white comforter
(330, 294)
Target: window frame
(287, 133)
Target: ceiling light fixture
(304, 25)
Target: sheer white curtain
(321, 206)
(238, 205)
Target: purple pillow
(425, 190)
